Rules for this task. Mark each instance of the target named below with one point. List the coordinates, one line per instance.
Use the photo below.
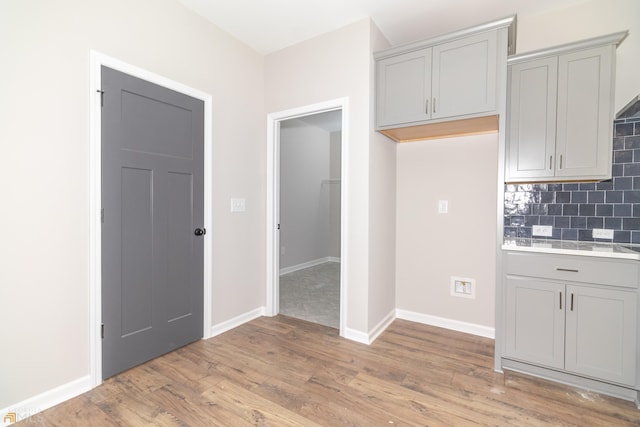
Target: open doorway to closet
(331, 118)
(310, 220)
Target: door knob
(200, 231)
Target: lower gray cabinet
(535, 321)
(571, 326)
(600, 339)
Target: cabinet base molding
(608, 389)
(464, 127)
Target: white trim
(369, 337)
(308, 264)
(97, 60)
(33, 405)
(355, 335)
(273, 182)
(441, 322)
(227, 325)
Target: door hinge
(101, 92)
(102, 215)
(102, 331)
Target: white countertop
(568, 247)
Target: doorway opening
(309, 251)
(307, 213)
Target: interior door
(153, 213)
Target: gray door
(152, 200)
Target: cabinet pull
(570, 270)
(434, 105)
(426, 108)
(560, 295)
(550, 162)
(571, 301)
(560, 161)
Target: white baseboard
(32, 406)
(454, 325)
(227, 325)
(308, 264)
(357, 336)
(368, 338)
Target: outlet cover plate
(602, 233)
(542, 230)
(463, 287)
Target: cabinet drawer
(571, 268)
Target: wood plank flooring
(286, 372)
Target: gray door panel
(152, 196)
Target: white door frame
(273, 197)
(97, 60)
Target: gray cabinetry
(560, 112)
(451, 77)
(403, 88)
(601, 333)
(574, 315)
(535, 321)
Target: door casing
(97, 60)
(273, 198)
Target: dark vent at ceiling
(632, 109)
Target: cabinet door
(601, 333)
(532, 119)
(464, 76)
(535, 321)
(403, 88)
(584, 135)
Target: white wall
(304, 200)
(382, 210)
(44, 169)
(331, 66)
(432, 247)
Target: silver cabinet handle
(571, 301)
(570, 270)
(560, 161)
(560, 295)
(434, 105)
(550, 162)
(426, 108)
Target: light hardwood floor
(284, 372)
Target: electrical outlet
(602, 233)
(542, 230)
(443, 206)
(462, 287)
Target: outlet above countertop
(569, 247)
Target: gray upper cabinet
(464, 76)
(560, 113)
(404, 88)
(455, 76)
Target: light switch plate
(443, 206)
(238, 205)
(542, 230)
(602, 233)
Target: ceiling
(330, 121)
(271, 25)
